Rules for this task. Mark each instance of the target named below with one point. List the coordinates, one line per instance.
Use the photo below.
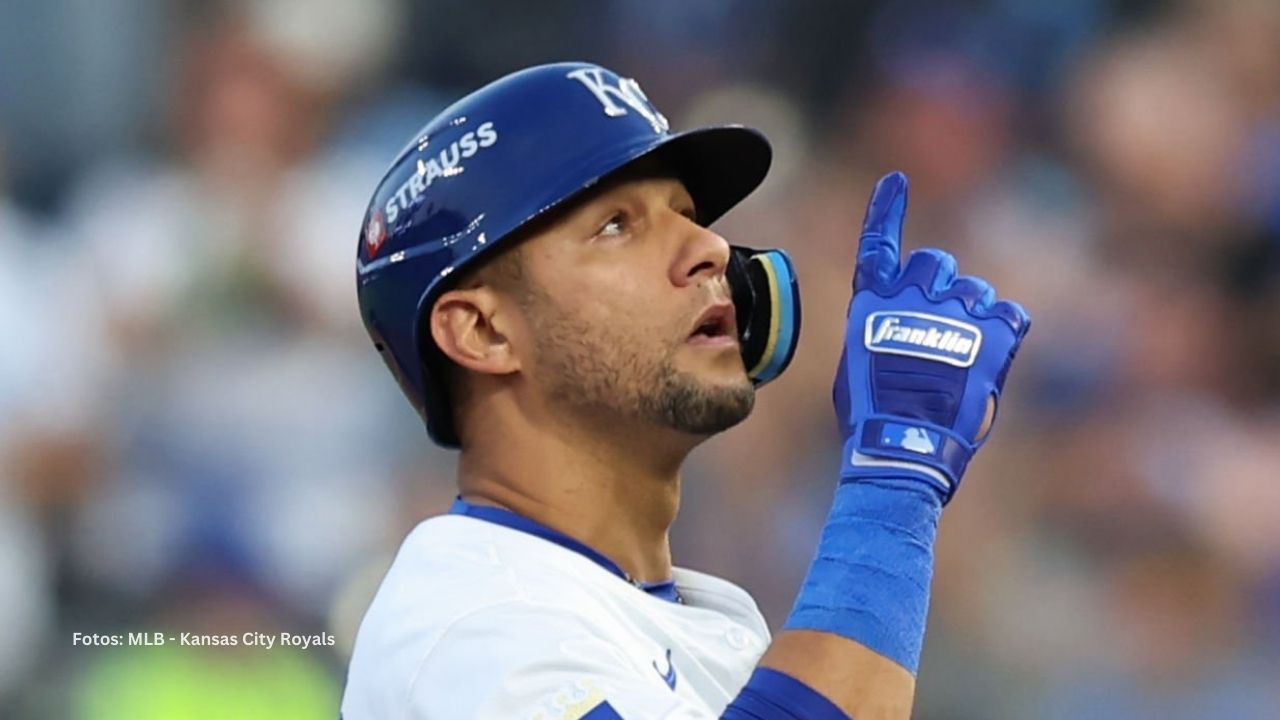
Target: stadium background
(195, 434)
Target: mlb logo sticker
(375, 233)
(924, 336)
(911, 438)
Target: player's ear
(468, 326)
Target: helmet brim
(720, 166)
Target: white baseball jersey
(504, 618)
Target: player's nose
(701, 254)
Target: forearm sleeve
(870, 578)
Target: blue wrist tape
(869, 580)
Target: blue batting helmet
(510, 152)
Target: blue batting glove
(925, 356)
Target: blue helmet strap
(767, 302)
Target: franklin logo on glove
(924, 336)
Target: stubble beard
(603, 375)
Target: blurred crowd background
(196, 434)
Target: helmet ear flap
(766, 299)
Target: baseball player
(537, 270)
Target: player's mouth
(715, 326)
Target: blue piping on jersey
(665, 590)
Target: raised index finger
(880, 247)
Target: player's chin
(702, 406)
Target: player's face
(630, 312)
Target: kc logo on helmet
(627, 92)
(924, 336)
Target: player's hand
(925, 356)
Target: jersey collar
(665, 590)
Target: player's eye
(615, 226)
